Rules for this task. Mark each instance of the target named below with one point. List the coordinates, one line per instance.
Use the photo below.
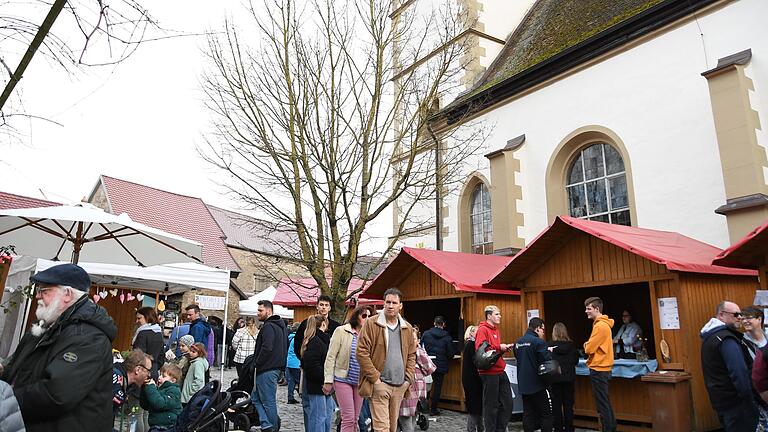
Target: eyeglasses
(365, 315)
(41, 288)
(145, 368)
(735, 314)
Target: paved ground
(292, 416)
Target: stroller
(206, 411)
(243, 414)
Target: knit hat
(187, 340)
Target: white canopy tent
(167, 278)
(250, 307)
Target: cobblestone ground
(293, 418)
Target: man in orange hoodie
(599, 348)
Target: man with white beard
(61, 372)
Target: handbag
(485, 358)
(549, 371)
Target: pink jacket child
(424, 367)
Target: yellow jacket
(599, 347)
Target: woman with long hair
(149, 338)
(342, 372)
(238, 324)
(470, 380)
(244, 343)
(198, 366)
(314, 348)
(564, 351)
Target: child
(163, 402)
(195, 378)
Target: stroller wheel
(423, 422)
(242, 422)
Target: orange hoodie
(599, 347)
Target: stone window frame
(465, 211)
(482, 193)
(566, 152)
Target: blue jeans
(264, 398)
(304, 402)
(321, 409)
(293, 376)
(365, 414)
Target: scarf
(154, 327)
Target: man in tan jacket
(386, 353)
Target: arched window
(480, 220)
(597, 186)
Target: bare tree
(92, 33)
(320, 128)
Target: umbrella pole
(224, 338)
(78, 244)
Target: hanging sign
(211, 302)
(531, 313)
(761, 298)
(668, 313)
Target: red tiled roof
(178, 214)
(304, 292)
(13, 201)
(466, 272)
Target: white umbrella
(250, 307)
(93, 235)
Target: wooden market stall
(450, 284)
(638, 269)
(301, 296)
(749, 252)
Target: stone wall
(188, 298)
(266, 269)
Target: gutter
(646, 22)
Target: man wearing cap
(61, 372)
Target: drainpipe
(438, 196)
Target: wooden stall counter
(628, 393)
(452, 396)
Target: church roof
(558, 35)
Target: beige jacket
(337, 360)
(372, 352)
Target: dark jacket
(724, 361)
(10, 415)
(63, 378)
(271, 345)
(314, 360)
(151, 342)
(163, 403)
(530, 351)
(439, 343)
(299, 338)
(470, 380)
(566, 354)
(200, 330)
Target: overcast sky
(140, 121)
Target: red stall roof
(673, 250)
(749, 252)
(466, 272)
(304, 292)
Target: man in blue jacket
(269, 359)
(531, 351)
(438, 343)
(724, 361)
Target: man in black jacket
(61, 372)
(270, 357)
(323, 308)
(531, 351)
(438, 343)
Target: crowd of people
(376, 366)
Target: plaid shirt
(244, 343)
(424, 367)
